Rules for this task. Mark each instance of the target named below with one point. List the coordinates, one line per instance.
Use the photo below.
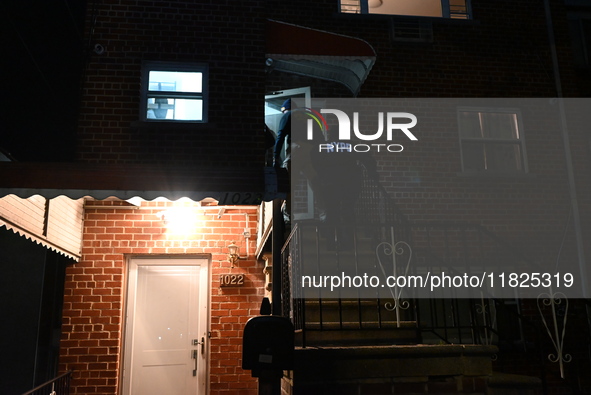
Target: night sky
(41, 69)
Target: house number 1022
(231, 280)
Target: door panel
(167, 302)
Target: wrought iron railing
(318, 247)
(57, 386)
(314, 250)
(383, 242)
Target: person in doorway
(283, 138)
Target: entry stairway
(362, 345)
(356, 313)
(402, 369)
(357, 343)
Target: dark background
(41, 69)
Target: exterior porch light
(233, 253)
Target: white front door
(166, 333)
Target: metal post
(276, 256)
(574, 202)
(270, 380)
(569, 163)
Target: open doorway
(273, 103)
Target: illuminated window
(457, 9)
(174, 92)
(491, 140)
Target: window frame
(446, 10)
(580, 44)
(520, 141)
(148, 66)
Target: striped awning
(319, 54)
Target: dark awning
(320, 54)
(228, 186)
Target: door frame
(127, 324)
(304, 92)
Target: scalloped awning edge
(39, 240)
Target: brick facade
(95, 296)
(229, 38)
(503, 52)
(225, 35)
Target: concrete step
(394, 361)
(402, 369)
(351, 310)
(513, 384)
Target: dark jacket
(283, 137)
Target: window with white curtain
(174, 91)
(455, 9)
(491, 140)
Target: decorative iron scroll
(558, 330)
(484, 308)
(395, 249)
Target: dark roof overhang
(319, 54)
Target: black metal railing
(314, 252)
(378, 240)
(316, 247)
(60, 385)
(291, 298)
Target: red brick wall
(92, 333)
(503, 52)
(228, 36)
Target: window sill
(373, 17)
(483, 175)
(173, 125)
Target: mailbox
(267, 344)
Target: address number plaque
(231, 280)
